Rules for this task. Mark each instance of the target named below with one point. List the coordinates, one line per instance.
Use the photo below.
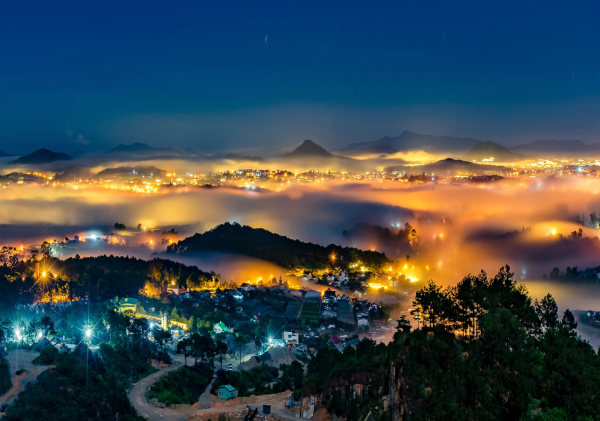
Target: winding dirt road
(187, 412)
(145, 408)
(21, 359)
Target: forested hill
(275, 248)
(483, 350)
(101, 277)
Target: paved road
(21, 359)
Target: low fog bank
(576, 297)
(88, 165)
(460, 229)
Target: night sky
(89, 75)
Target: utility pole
(87, 346)
(130, 376)
(292, 402)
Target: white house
(289, 336)
(221, 328)
(247, 287)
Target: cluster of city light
(377, 286)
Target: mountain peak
(407, 141)
(489, 149)
(42, 156)
(134, 147)
(309, 148)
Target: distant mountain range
(555, 146)
(408, 141)
(373, 150)
(141, 149)
(464, 147)
(489, 149)
(42, 156)
(311, 153)
(237, 157)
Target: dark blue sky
(89, 75)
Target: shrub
(5, 380)
(182, 386)
(46, 357)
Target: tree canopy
(275, 248)
(484, 351)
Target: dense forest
(100, 278)
(484, 351)
(399, 241)
(65, 392)
(182, 386)
(5, 377)
(275, 248)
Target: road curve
(21, 359)
(146, 409)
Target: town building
(126, 304)
(289, 336)
(227, 392)
(221, 328)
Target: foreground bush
(182, 386)
(63, 393)
(46, 357)
(5, 380)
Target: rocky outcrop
(308, 405)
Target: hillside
(556, 147)
(2, 153)
(146, 171)
(42, 156)
(489, 150)
(373, 150)
(448, 166)
(275, 248)
(244, 158)
(71, 172)
(414, 141)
